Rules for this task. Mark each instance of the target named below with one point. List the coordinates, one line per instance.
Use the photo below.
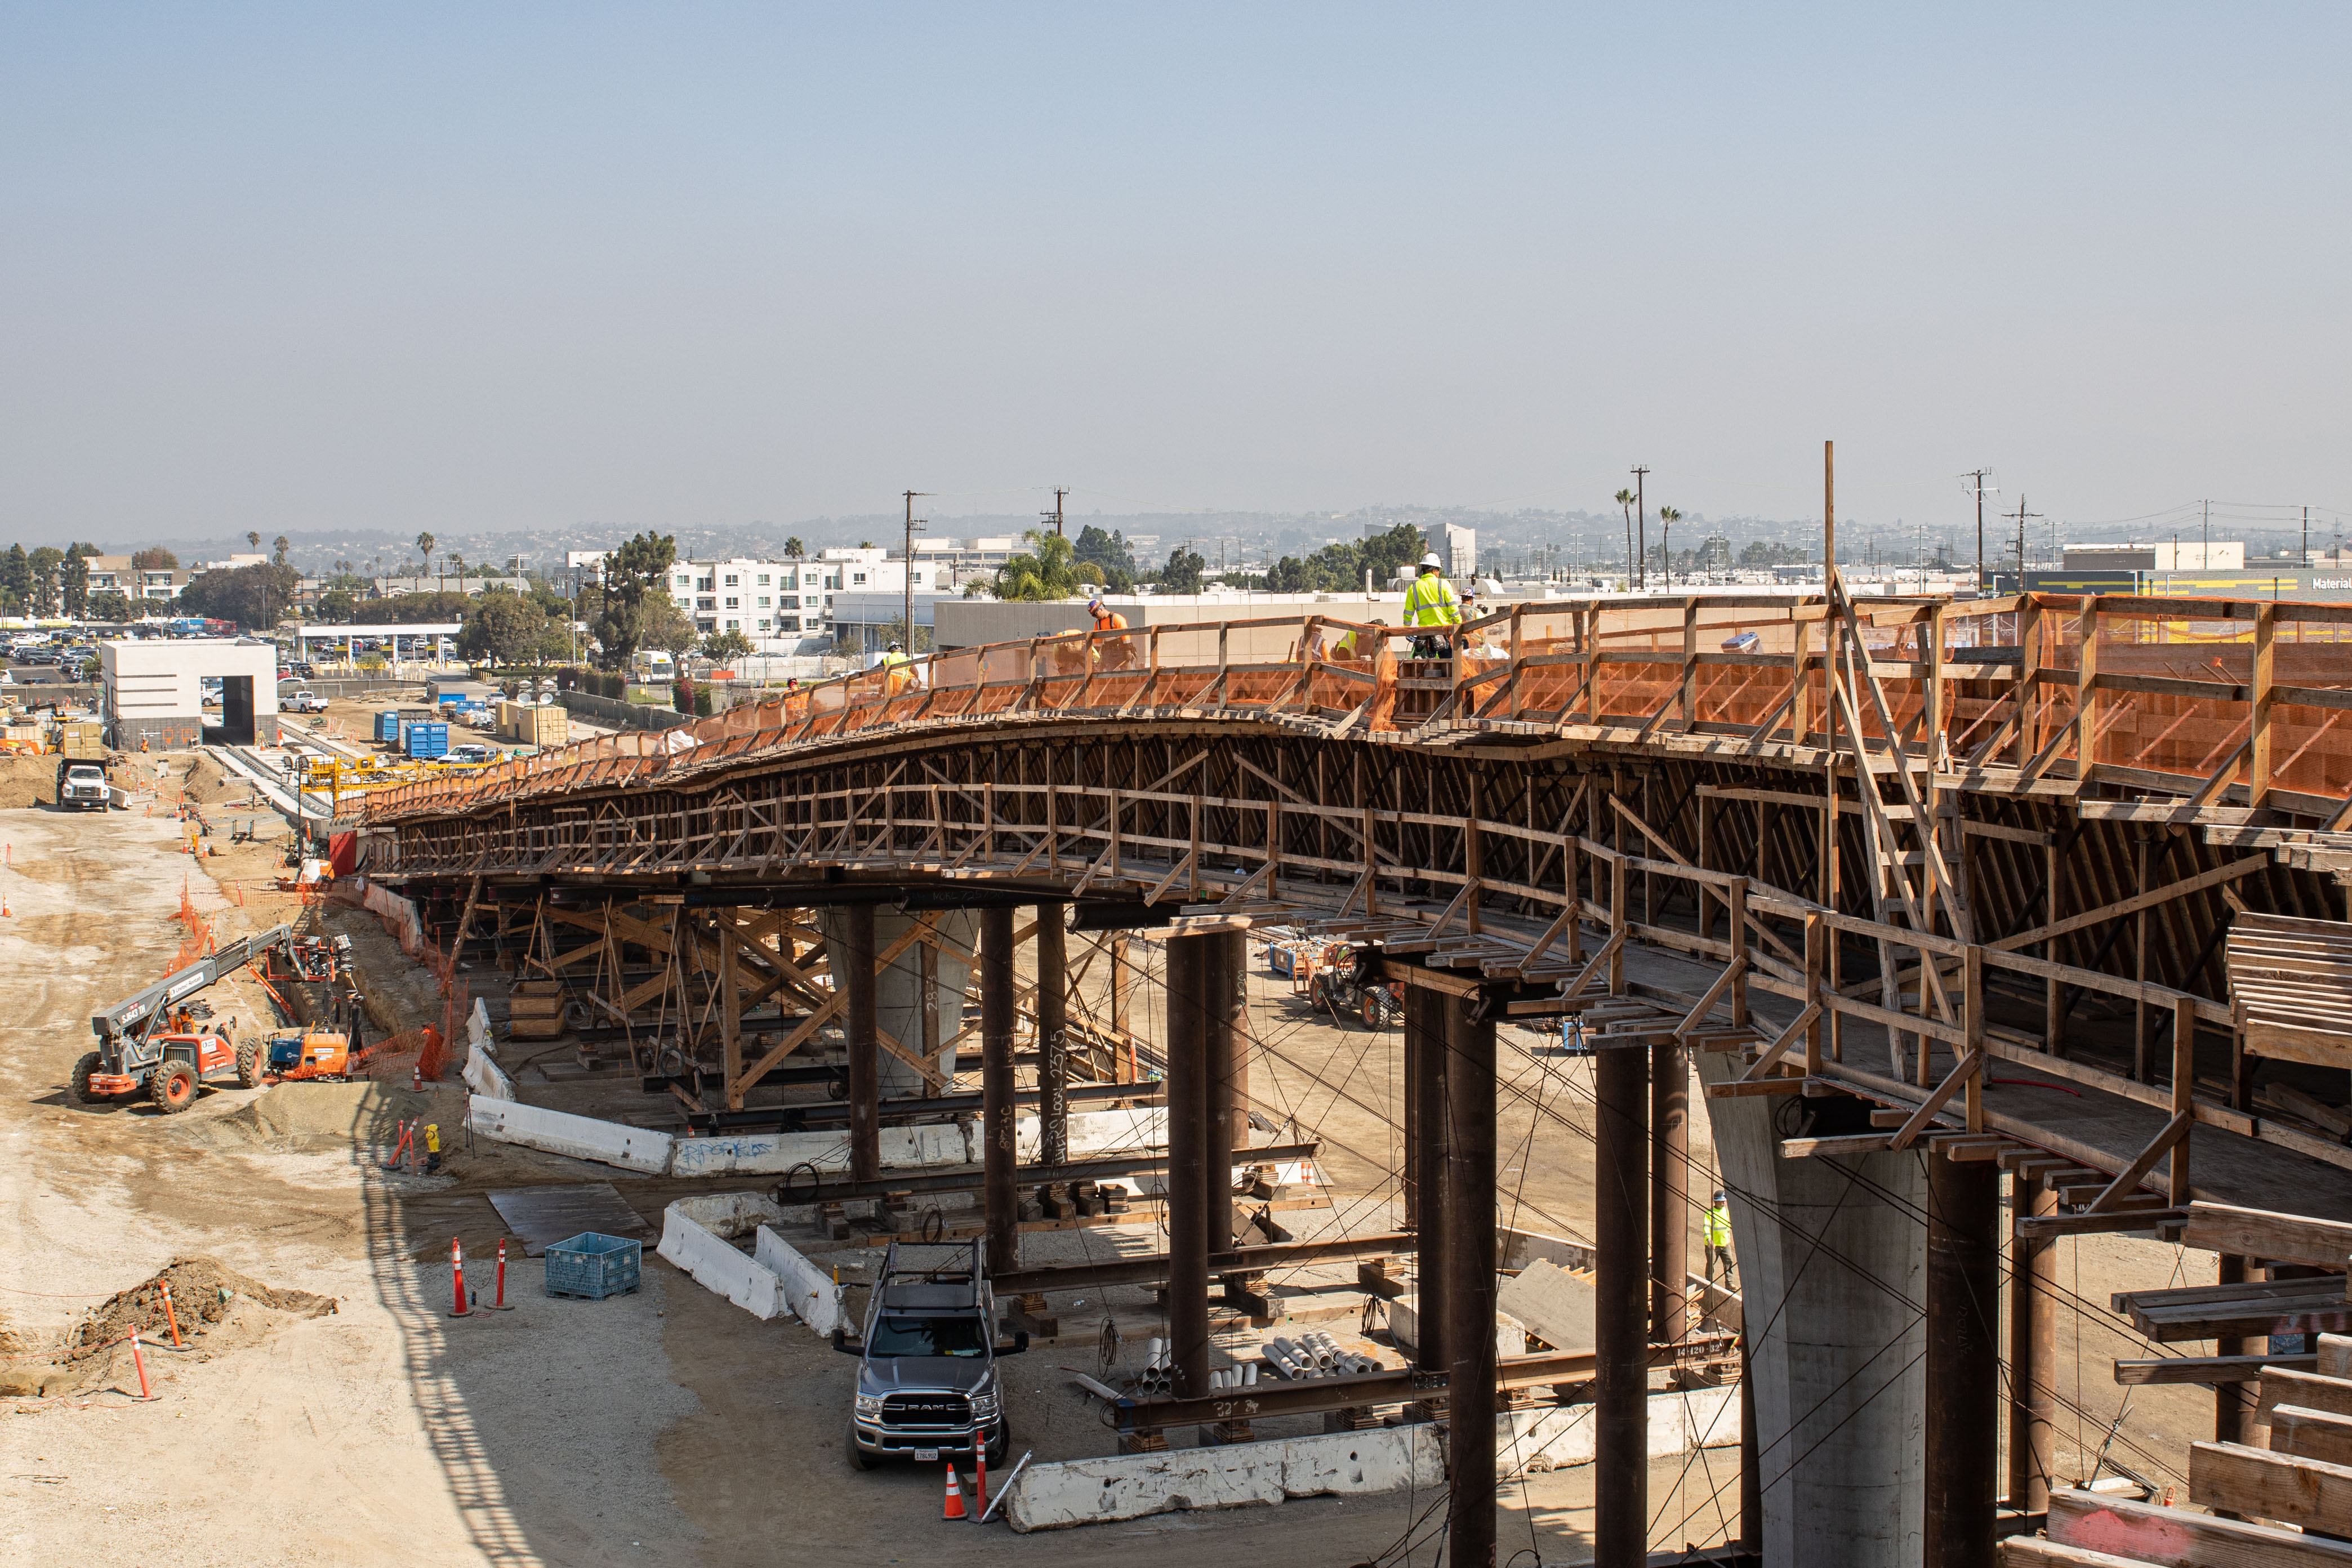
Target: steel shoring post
(1053, 1037)
(1621, 1219)
(1669, 1194)
(1222, 1124)
(1424, 1154)
(865, 1046)
(997, 1010)
(1470, 1286)
(1963, 1357)
(1189, 962)
(1752, 1468)
(2032, 1348)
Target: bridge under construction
(2037, 893)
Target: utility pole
(907, 570)
(2303, 555)
(2021, 515)
(1057, 513)
(2205, 561)
(1978, 475)
(1640, 509)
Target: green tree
(339, 606)
(46, 592)
(425, 542)
(278, 549)
(253, 538)
(726, 647)
(794, 549)
(1667, 517)
(154, 558)
(17, 573)
(636, 577)
(660, 623)
(73, 578)
(254, 597)
(1182, 573)
(1049, 572)
(1110, 553)
(505, 628)
(112, 605)
(411, 609)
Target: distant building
(115, 574)
(1455, 547)
(472, 584)
(2220, 555)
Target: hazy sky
(516, 265)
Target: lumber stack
(2293, 1499)
(2292, 982)
(535, 1011)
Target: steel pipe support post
(1669, 1194)
(2032, 1348)
(1963, 1362)
(1424, 1158)
(1621, 1264)
(1000, 1202)
(1191, 959)
(1053, 1037)
(863, 1031)
(1470, 1285)
(1224, 1123)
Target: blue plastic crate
(594, 1266)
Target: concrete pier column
(1189, 962)
(917, 992)
(1470, 1286)
(1831, 1281)
(997, 1011)
(1620, 1518)
(855, 970)
(1424, 1167)
(1053, 1037)
(1669, 1194)
(1963, 1361)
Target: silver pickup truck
(927, 1378)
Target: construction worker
(1110, 653)
(1359, 644)
(896, 676)
(1718, 1238)
(1431, 602)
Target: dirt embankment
(213, 1310)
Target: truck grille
(949, 1410)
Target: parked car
(304, 700)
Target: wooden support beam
(2256, 1483)
(2166, 894)
(2177, 1537)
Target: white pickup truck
(303, 699)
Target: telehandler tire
(248, 1066)
(173, 1087)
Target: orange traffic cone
(4, 911)
(954, 1507)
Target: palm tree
(424, 548)
(253, 538)
(1667, 517)
(1625, 499)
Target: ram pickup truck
(927, 1385)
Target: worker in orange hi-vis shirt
(1111, 653)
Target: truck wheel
(1001, 1447)
(90, 1062)
(1371, 1009)
(173, 1087)
(858, 1459)
(248, 1066)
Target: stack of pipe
(1233, 1377)
(1314, 1354)
(1159, 1374)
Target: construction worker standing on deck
(1431, 602)
(897, 676)
(1110, 653)
(1718, 1239)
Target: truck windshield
(928, 1336)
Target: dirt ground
(665, 1426)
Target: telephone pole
(1642, 511)
(907, 570)
(2205, 559)
(1978, 476)
(1057, 513)
(2021, 515)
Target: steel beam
(1963, 1357)
(865, 1044)
(1226, 1026)
(997, 1008)
(1154, 1268)
(967, 1180)
(1621, 1219)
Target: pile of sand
(318, 1118)
(218, 1310)
(27, 781)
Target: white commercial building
(155, 692)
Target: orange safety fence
(1564, 662)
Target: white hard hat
(1429, 563)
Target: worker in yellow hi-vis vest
(1431, 602)
(1718, 1239)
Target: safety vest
(1431, 602)
(1718, 1226)
(890, 659)
(1110, 621)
